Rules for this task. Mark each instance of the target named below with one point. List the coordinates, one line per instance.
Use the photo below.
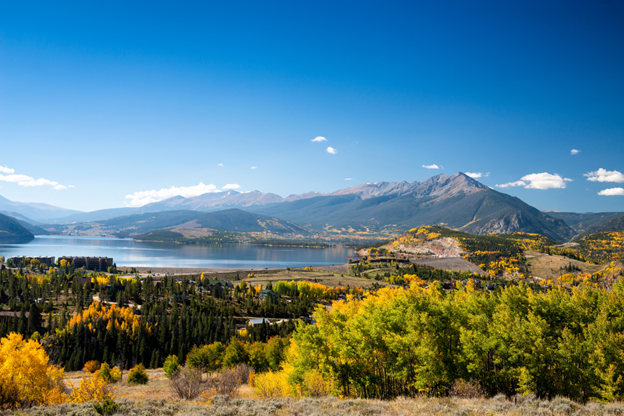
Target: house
(258, 321)
(268, 294)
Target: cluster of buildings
(88, 263)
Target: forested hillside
(12, 231)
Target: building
(258, 321)
(17, 260)
(267, 294)
(89, 263)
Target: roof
(258, 321)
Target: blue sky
(98, 102)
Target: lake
(126, 252)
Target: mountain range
(456, 201)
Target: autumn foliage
(26, 375)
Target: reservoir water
(126, 252)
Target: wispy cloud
(347, 179)
(220, 164)
(431, 166)
(603, 175)
(139, 199)
(319, 139)
(574, 152)
(332, 150)
(511, 184)
(231, 186)
(477, 175)
(28, 181)
(539, 181)
(253, 167)
(612, 192)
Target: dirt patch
(444, 246)
(545, 266)
(450, 263)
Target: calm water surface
(127, 252)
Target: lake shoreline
(222, 270)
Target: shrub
(109, 375)
(271, 385)
(171, 366)
(92, 366)
(252, 379)
(107, 407)
(467, 389)
(187, 383)
(91, 389)
(314, 385)
(138, 375)
(208, 358)
(227, 382)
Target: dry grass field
(157, 398)
(144, 405)
(327, 275)
(548, 267)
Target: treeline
(405, 342)
(151, 319)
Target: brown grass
(222, 405)
(326, 275)
(549, 267)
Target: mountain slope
(456, 201)
(616, 224)
(35, 211)
(580, 222)
(226, 220)
(12, 232)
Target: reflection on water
(127, 252)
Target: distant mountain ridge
(34, 211)
(226, 220)
(456, 201)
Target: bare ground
(450, 263)
(547, 267)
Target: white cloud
(511, 184)
(139, 199)
(332, 150)
(4, 169)
(575, 152)
(539, 181)
(347, 179)
(603, 175)
(253, 167)
(431, 166)
(319, 139)
(612, 192)
(477, 175)
(231, 186)
(545, 181)
(220, 164)
(24, 180)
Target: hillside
(615, 224)
(456, 201)
(582, 221)
(226, 220)
(12, 232)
